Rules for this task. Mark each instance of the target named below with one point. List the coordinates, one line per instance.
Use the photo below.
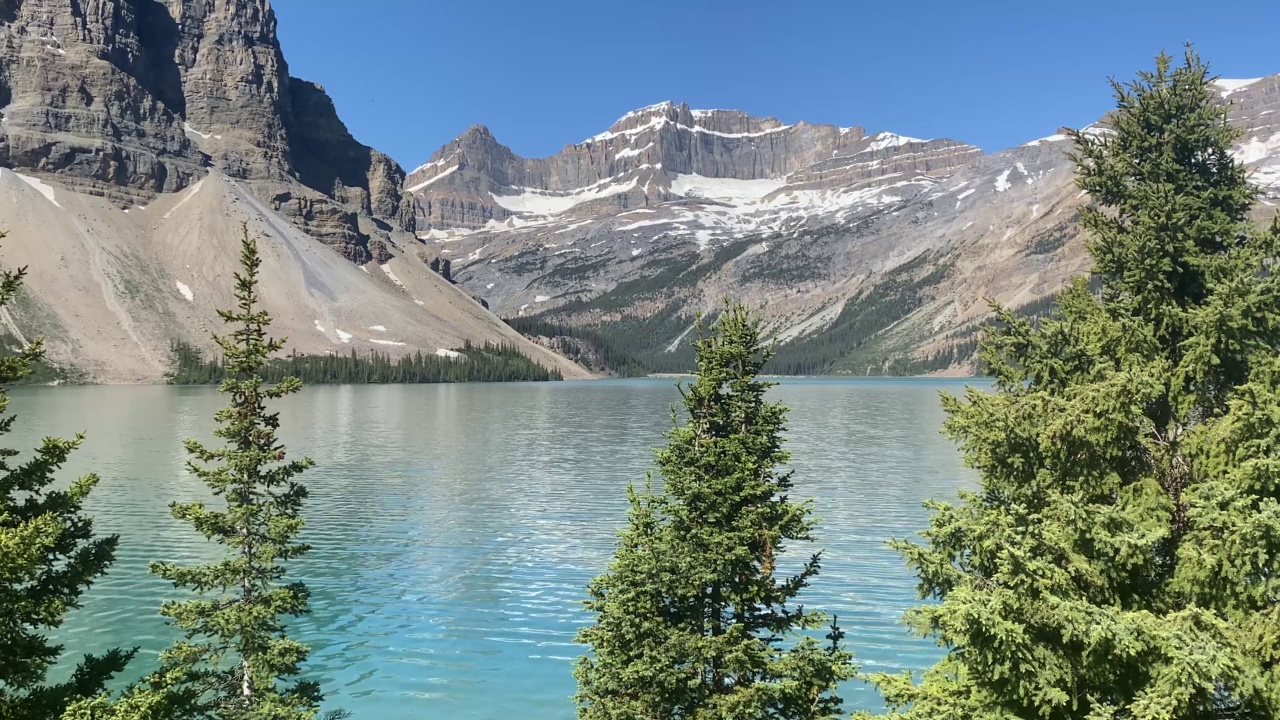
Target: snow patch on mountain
(433, 163)
(1056, 137)
(392, 276)
(730, 190)
(542, 202)
(1228, 86)
(185, 198)
(424, 184)
(1002, 182)
(883, 140)
(1256, 149)
(644, 223)
(44, 188)
(632, 152)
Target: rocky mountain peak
(479, 133)
(668, 155)
(681, 117)
(130, 98)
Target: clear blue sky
(410, 75)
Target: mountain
(864, 253)
(137, 136)
(663, 153)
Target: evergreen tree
(1122, 557)
(236, 661)
(694, 618)
(489, 362)
(48, 557)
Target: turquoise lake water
(455, 526)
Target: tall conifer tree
(695, 618)
(49, 556)
(1122, 557)
(236, 661)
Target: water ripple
(455, 527)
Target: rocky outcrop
(94, 96)
(130, 98)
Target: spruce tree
(236, 661)
(1121, 558)
(49, 556)
(694, 617)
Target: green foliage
(479, 363)
(953, 355)
(658, 279)
(660, 276)
(693, 613)
(585, 346)
(40, 370)
(1122, 557)
(1055, 238)
(48, 557)
(236, 660)
(630, 345)
(901, 292)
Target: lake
(456, 526)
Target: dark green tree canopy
(694, 618)
(49, 556)
(1120, 557)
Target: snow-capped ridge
(1229, 86)
(1056, 137)
(663, 106)
(425, 183)
(882, 140)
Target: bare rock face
(89, 95)
(862, 253)
(130, 98)
(235, 84)
(641, 159)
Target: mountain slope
(137, 136)
(864, 254)
(114, 289)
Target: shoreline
(596, 378)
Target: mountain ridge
(644, 241)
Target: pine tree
(1122, 556)
(694, 618)
(49, 556)
(236, 661)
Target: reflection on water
(456, 526)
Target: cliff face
(639, 160)
(92, 96)
(130, 98)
